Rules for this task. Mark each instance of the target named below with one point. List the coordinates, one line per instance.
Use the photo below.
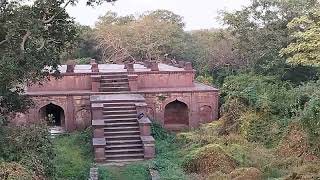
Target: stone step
(114, 80)
(118, 104)
(113, 84)
(121, 133)
(120, 151)
(123, 142)
(113, 112)
(119, 108)
(119, 124)
(123, 137)
(112, 89)
(121, 128)
(123, 146)
(108, 76)
(124, 160)
(119, 116)
(124, 155)
(121, 120)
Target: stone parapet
(148, 146)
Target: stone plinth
(133, 82)
(148, 146)
(188, 66)
(154, 66)
(95, 83)
(94, 67)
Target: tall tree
(134, 38)
(33, 34)
(305, 48)
(261, 32)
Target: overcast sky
(198, 14)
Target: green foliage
(30, 145)
(261, 32)
(304, 49)
(15, 171)
(74, 155)
(209, 159)
(206, 79)
(137, 171)
(263, 93)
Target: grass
(137, 171)
(73, 155)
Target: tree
(32, 37)
(261, 32)
(134, 38)
(305, 49)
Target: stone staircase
(122, 131)
(114, 83)
(119, 136)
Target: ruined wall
(76, 111)
(65, 83)
(202, 106)
(161, 79)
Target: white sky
(198, 14)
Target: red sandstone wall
(203, 106)
(165, 79)
(70, 83)
(76, 111)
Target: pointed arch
(176, 112)
(53, 111)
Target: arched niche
(53, 112)
(205, 113)
(176, 112)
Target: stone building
(119, 100)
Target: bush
(15, 171)
(29, 144)
(209, 159)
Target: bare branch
(52, 17)
(42, 45)
(3, 41)
(24, 39)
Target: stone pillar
(93, 61)
(181, 64)
(94, 67)
(188, 66)
(129, 67)
(154, 66)
(99, 145)
(96, 111)
(147, 64)
(95, 83)
(148, 146)
(141, 108)
(145, 126)
(133, 82)
(70, 66)
(69, 114)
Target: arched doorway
(52, 113)
(177, 113)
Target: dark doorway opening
(53, 114)
(176, 112)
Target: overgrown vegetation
(74, 155)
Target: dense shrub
(15, 171)
(209, 159)
(30, 145)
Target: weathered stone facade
(173, 97)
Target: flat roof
(110, 68)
